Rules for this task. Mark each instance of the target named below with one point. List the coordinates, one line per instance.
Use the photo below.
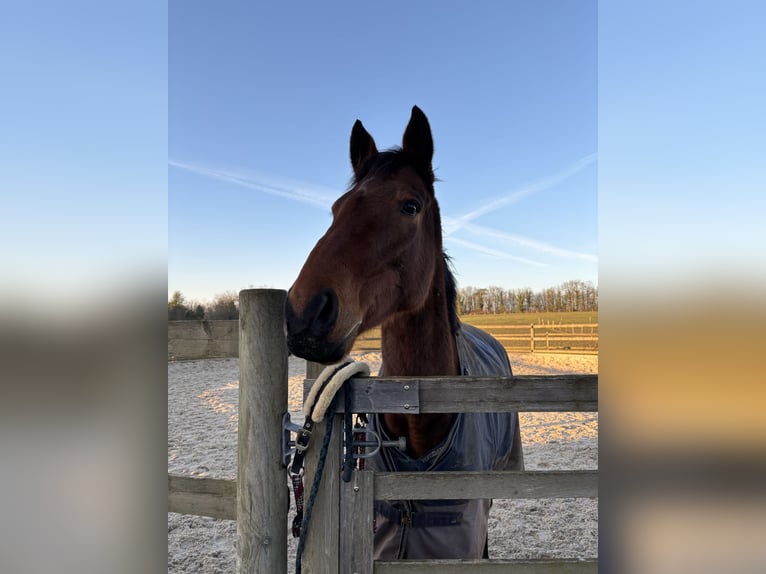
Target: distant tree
(569, 296)
(198, 313)
(483, 295)
(496, 296)
(177, 308)
(521, 300)
(539, 301)
(225, 306)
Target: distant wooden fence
(340, 537)
(202, 339)
(549, 338)
(219, 339)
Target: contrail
(527, 242)
(493, 252)
(312, 196)
(295, 193)
(520, 194)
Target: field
(554, 332)
(487, 321)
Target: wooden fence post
(320, 555)
(262, 502)
(532, 337)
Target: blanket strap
(423, 519)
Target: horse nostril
(326, 305)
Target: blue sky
(681, 148)
(83, 148)
(98, 98)
(262, 97)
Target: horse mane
(450, 289)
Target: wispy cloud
(323, 198)
(312, 195)
(493, 252)
(527, 243)
(455, 224)
(464, 222)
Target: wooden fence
(549, 338)
(202, 339)
(218, 339)
(340, 536)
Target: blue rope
(315, 484)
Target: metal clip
(288, 445)
(304, 435)
(406, 518)
(400, 443)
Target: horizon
(212, 299)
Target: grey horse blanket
(476, 441)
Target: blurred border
(83, 288)
(681, 148)
(681, 284)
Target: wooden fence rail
(213, 497)
(220, 339)
(217, 498)
(486, 566)
(574, 338)
(471, 484)
(340, 538)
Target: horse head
(380, 254)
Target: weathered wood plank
(321, 552)
(261, 490)
(487, 566)
(356, 522)
(376, 395)
(214, 497)
(528, 393)
(524, 394)
(499, 484)
(202, 339)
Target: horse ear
(417, 140)
(362, 145)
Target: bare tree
(224, 306)
(572, 295)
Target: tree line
(569, 296)
(223, 306)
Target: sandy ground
(202, 437)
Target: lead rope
(322, 398)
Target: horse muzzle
(309, 330)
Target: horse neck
(420, 343)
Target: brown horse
(381, 262)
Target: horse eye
(410, 207)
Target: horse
(382, 263)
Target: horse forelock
(388, 162)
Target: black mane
(450, 288)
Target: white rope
(319, 398)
